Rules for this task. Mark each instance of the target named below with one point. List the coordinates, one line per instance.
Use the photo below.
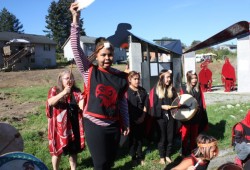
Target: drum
(21, 160)
(184, 107)
(10, 139)
(229, 166)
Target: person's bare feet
(168, 160)
(162, 161)
(143, 162)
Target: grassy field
(33, 129)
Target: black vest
(246, 132)
(105, 91)
(198, 115)
(136, 103)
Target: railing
(11, 60)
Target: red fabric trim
(151, 96)
(102, 116)
(203, 98)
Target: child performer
(137, 107)
(200, 157)
(192, 128)
(161, 98)
(106, 109)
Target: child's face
(135, 81)
(167, 78)
(104, 58)
(213, 152)
(194, 80)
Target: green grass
(33, 129)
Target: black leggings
(103, 143)
(166, 131)
(135, 140)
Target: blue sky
(186, 20)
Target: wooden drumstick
(174, 107)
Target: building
(231, 48)
(88, 45)
(26, 51)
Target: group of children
(113, 104)
(197, 148)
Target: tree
(195, 42)
(9, 22)
(58, 22)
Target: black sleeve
(238, 136)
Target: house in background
(20, 51)
(88, 45)
(231, 48)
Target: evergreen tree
(59, 21)
(9, 22)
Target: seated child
(200, 157)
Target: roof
(34, 39)
(238, 29)
(19, 41)
(84, 39)
(172, 44)
(152, 44)
(87, 39)
(121, 36)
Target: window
(46, 47)
(32, 60)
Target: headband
(106, 45)
(207, 144)
(168, 71)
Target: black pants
(166, 134)
(103, 143)
(135, 140)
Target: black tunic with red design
(106, 90)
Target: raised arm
(80, 58)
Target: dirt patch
(13, 110)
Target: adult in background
(106, 109)
(65, 127)
(137, 106)
(199, 122)
(161, 98)
(228, 76)
(206, 150)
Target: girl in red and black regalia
(106, 109)
(137, 106)
(199, 122)
(161, 98)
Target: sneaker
(237, 161)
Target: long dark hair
(205, 143)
